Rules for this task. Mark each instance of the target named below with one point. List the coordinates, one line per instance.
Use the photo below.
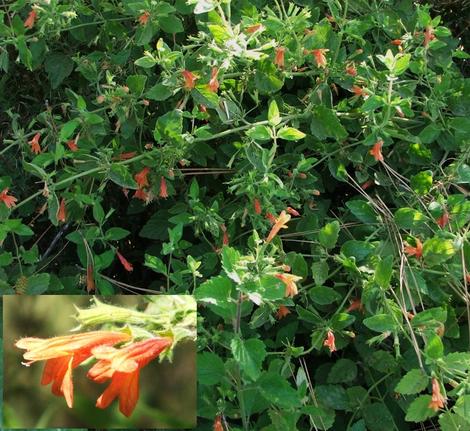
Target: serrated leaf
(418, 410)
(329, 234)
(274, 117)
(249, 355)
(37, 284)
(290, 134)
(380, 323)
(210, 369)
(412, 382)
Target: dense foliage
(301, 167)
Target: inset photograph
(103, 362)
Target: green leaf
(68, 128)
(430, 317)
(169, 127)
(320, 271)
(409, 218)
(401, 64)
(452, 422)
(437, 250)
(203, 6)
(290, 134)
(157, 226)
(116, 233)
(343, 370)
(120, 175)
(383, 272)
(418, 410)
(58, 66)
(37, 284)
(98, 213)
(146, 62)
(325, 124)
(171, 24)
(378, 417)
(322, 417)
(333, 396)
(412, 382)
(136, 84)
(158, 92)
(259, 133)
(341, 320)
(462, 407)
(323, 295)
(277, 390)
(358, 249)
(155, 263)
(434, 347)
(362, 210)
(380, 323)
(267, 79)
(421, 183)
(274, 118)
(329, 234)
(216, 293)
(210, 369)
(249, 355)
(25, 54)
(6, 258)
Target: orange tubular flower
(226, 239)
(35, 147)
(279, 57)
(367, 184)
(282, 312)
(214, 83)
(62, 213)
(270, 217)
(72, 145)
(330, 341)
(123, 367)
(437, 400)
(356, 304)
(443, 220)
(351, 69)
(428, 35)
(189, 79)
(90, 279)
(140, 194)
(144, 18)
(30, 20)
(125, 156)
(254, 28)
(141, 177)
(163, 190)
(278, 225)
(293, 212)
(218, 423)
(257, 205)
(396, 42)
(358, 91)
(8, 200)
(63, 354)
(320, 58)
(125, 263)
(289, 280)
(376, 151)
(414, 251)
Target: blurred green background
(167, 390)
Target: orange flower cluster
(122, 366)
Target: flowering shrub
(301, 167)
